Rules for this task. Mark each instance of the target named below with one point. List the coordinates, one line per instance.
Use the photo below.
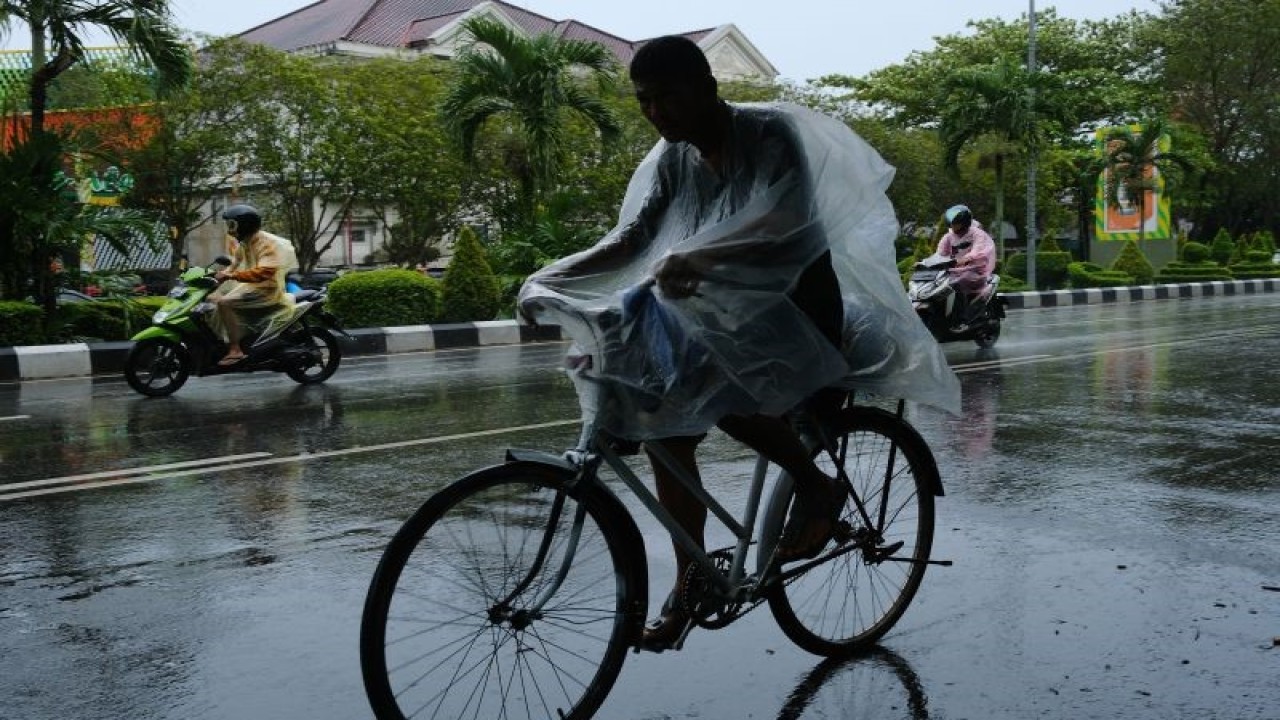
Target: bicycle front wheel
(851, 600)
(504, 596)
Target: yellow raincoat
(256, 289)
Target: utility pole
(1031, 146)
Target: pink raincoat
(975, 254)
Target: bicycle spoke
(851, 597)
(492, 617)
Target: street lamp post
(1031, 146)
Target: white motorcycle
(948, 315)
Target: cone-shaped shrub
(1222, 247)
(470, 287)
(1133, 262)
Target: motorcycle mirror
(222, 260)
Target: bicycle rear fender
(619, 521)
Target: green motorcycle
(180, 341)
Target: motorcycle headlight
(160, 316)
(177, 292)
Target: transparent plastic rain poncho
(793, 185)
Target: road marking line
(6, 496)
(15, 417)
(5, 488)
(988, 364)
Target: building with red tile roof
(371, 28)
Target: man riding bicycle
(754, 247)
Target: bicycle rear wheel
(851, 600)
(455, 623)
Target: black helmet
(242, 220)
(958, 214)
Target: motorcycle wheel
(157, 367)
(325, 353)
(987, 336)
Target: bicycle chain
(696, 598)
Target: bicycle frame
(735, 586)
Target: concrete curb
(45, 362)
(39, 362)
(1089, 296)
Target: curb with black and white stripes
(1089, 296)
(43, 362)
(40, 362)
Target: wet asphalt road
(1112, 495)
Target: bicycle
(517, 590)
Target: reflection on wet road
(1111, 492)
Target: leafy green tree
(470, 288)
(987, 102)
(102, 84)
(972, 89)
(1102, 67)
(57, 31)
(533, 82)
(1220, 66)
(294, 141)
(407, 170)
(191, 155)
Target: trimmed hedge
(1195, 253)
(1009, 284)
(21, 323)
(1257, 264)
(383, 298)
(1185, 272)
(1090, 275)
(104, 320)
(1051, 268)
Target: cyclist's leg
(818, 497)
(691, 515)
(687, 510)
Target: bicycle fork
(520, 619)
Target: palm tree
(57, 41)
(533, 82)
(42, 220)
(988, 103)
(1134, 159)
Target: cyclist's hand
(677, 277)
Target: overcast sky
(803, 38)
